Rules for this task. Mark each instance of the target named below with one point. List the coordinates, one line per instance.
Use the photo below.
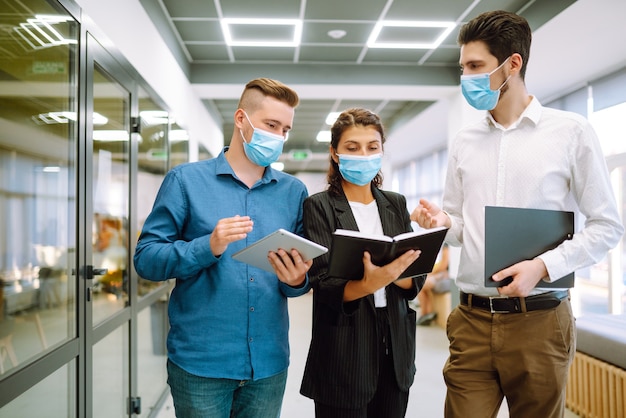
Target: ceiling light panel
(262, 32)
(386, 34)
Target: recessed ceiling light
(332, 117)
(155, 117)
(110, 135)
(373, 42)
(178, 135)
(295, 41)
(323, 136)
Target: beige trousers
(524, 357)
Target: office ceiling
(332, 67)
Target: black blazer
(342, 364)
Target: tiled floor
(427, 393)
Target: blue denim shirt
(228, 319)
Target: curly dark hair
(347, 119)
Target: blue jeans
(202, 397)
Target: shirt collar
(223, 168)
(532, 113)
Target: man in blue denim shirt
(228, 346)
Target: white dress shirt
(548, 159)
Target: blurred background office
(99, 99)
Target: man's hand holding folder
(514, 238)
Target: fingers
(381, 276)
(419, 214)
(415, 215)
(503, 274)
(233, 228)
(405, 260)
(425, 214)
(228, 230)
(289, 266)
(526, 274)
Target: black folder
(516, 234)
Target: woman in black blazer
(361, 361)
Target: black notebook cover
(516, 234)
(346, 251)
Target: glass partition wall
(38, 142)
(38, 182)
(84, 146)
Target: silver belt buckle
(491, 298)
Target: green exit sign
(49, 67)
(300, 154)
(156, 154)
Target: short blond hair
(259, 88)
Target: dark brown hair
(504, 33)
(347, 119)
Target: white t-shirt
(368, 220)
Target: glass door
(106, 235)
(39, 104)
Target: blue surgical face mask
(264, 147)
(477, 89)
(358, 169)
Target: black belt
(504, 304)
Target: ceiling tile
(194, 9)
(317, 32)
(397, 56)
(246, 53)
(199, 30)
(205, 53)
(444, 56)
(366, 10)
(329, 53)
(278, 9)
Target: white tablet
(256, 254)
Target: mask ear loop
(499, 66)
(250, 122)
(496, 69)
(505, 81)
(241, 132)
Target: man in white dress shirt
(520, 155)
